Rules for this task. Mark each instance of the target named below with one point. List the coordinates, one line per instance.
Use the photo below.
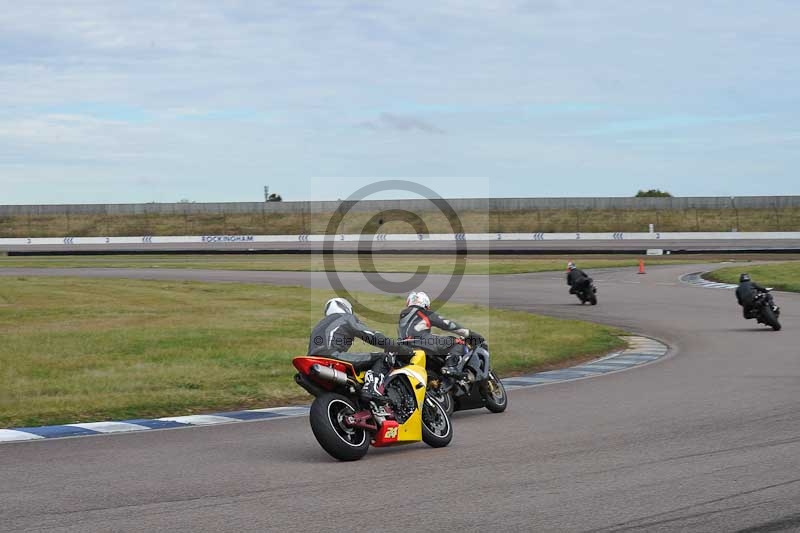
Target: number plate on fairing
(387, 434)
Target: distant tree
(274, 198)
(653, 193)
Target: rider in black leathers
(577, 279)
(415, 324)
(334, 335)
(746, 294)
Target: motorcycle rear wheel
(770, 319)
(494, 393)
(327, 422)
(437, 431)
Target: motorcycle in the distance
(345, 427)
(587, 293)
(476, 386)
(764, 309)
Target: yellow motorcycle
(345, 426)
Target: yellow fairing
(418, 358)
(411, 430)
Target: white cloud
(232, 94)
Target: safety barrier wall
(458, 204)
(216, 240)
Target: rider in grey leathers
(334, 335)
(415, 324)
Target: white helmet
(571, 266)
(418, 299)
(336, 306)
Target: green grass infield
(781, 276)
(77, 350)
(475, 264)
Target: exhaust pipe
(312, 388)
(328, 374)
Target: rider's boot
(450, 368)
(371, 393)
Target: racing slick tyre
(494, 393)
(327, 418)
(770, 319)
(443, 397)
(437, 431)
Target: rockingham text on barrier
(228, 238)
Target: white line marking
(521, 379)
(586, 370)
(295, 410)
(8, 435)
(629, 359)
(110, 427)
(606, 367)
(200, 420)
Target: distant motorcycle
(587, 293)
(765, 311)
(477, 386)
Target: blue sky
(115, 102)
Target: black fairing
(476, 364)
(402, 398)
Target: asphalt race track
(706, 439)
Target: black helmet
(744, 277)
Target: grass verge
(265, 221)
(79, 350)
(781, 276)
(476, 264)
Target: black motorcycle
(765, 311)
(476, 385)
(587, 293)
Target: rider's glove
(475, 338)
(400, 349)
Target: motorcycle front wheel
(494, 393)
(444, 397)
(437, 431)
(327, 418)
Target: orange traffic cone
(641, 266)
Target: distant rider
(416, 321)
(577, 279)
(746, 295)
(334, 335)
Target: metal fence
(459, 204)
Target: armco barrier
(74, 242)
